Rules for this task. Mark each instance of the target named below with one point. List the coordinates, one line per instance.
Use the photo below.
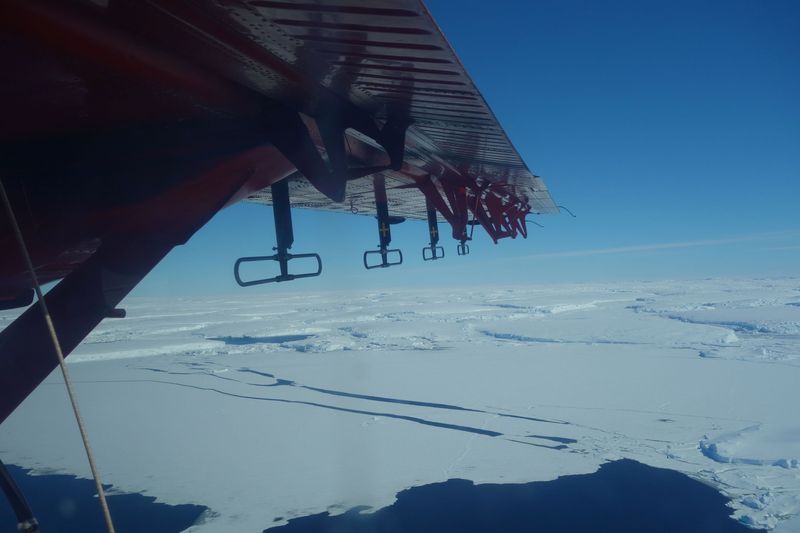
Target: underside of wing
(391, 59)
(127, 124)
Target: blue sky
(671, 128)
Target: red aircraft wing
(127, 124)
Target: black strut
(284, 235)
(436, 252)
(26, 522)
(384, 228)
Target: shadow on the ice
(385, 399)
(68, 505)
(246, 339)
(621, 496)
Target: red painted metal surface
(92, 68)
(127, 124)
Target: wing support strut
(493, 207)
(284, 234)
(454, 209)
(77, 305)
(91, 292)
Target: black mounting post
(26, 522)
(463, 247)
(384, 228)
(436, 252)
(282, 210)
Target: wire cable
(560, 207)
(61, 363)
(534, 222)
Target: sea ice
(266, 409)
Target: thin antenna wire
(61, 363)
(567, 210)
(533, 222)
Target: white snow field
(273, 406)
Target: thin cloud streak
(664, 246)
(783, 248)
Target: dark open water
(623, 496)
(66, 504)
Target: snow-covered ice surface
(276, 406)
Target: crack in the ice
(562, 440)
(417, 420)
(544, 340)
(736, 326)
(246, 339)
(557, 448)
(385, 399)
(643, 411)
(160, 371)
